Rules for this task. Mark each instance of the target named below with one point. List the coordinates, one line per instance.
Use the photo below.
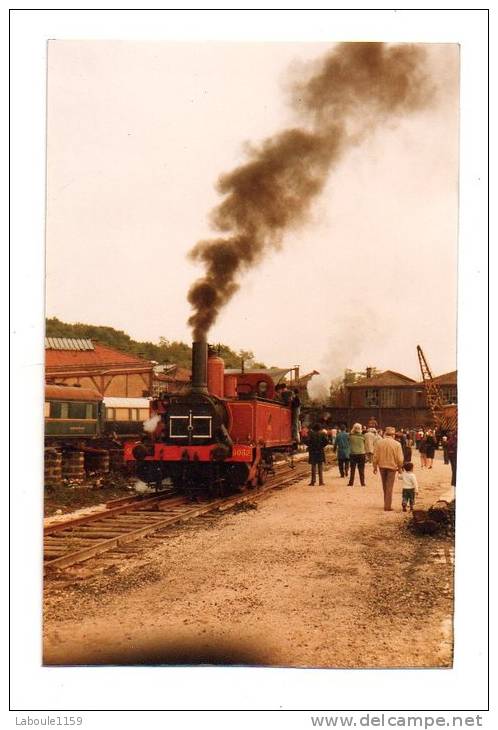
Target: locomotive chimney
(199, 367)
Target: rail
(79, 539)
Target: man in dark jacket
(317, 441)
(295, 410)
(452, 448)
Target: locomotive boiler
(220, 436)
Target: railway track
(77, 540)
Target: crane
(443, 416)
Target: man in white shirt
(388, 457)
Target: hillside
(165, 351)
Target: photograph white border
(463, 688)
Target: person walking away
(430, 448)
(421, 451)
(412, 437)
(370, 439)
(444, 444)
(317, 441)
(452, 447)
(410, 486)
(418, 439)
(357, 454)
(343, 448)
(388, 458)
(407, 452)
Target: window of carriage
(77, 410)
(371, 397)
(143, 414)
(389, 398)
(110, 414)
(47, 410)
(91, 410)
(59, 410)
(55, 410)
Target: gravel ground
(314, 577)
(65, 499)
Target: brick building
(390, 399)
(89, 364)
(170, 379)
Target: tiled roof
(98, 356)
(446, 379)
(389, 378)
(175, 374)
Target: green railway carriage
(72, 413)
(82, 414)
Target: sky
(138, 134)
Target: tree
(338, 392)
(171, 352)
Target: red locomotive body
(220, 436)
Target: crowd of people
(388, 450)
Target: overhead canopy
(277, 374)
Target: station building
(89, 364)
(390, 399)
(170, 379)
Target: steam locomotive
(219, 437)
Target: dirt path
(315, 576)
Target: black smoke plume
(352, 91)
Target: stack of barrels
(116, 460)
(97, 460)
(74, 465)
(53, 467)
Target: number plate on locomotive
(242, 452)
